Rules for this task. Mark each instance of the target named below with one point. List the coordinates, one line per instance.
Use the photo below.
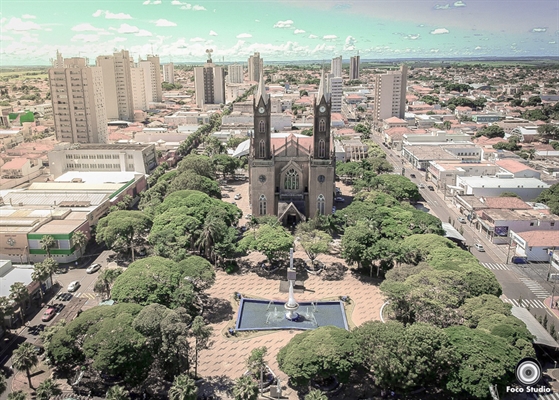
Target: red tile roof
(540, 238)
(509, 203)
(513, 166)
(16, 163)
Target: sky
(281, 30)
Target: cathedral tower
(322, 115)
(261, 139)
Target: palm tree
(19, 294)
(39, 274)
(6, 310)
(208, 235)
(245, 389)
(51, 266)
(48, 389)
(315, 394)
(256, 363)
(3, 383)
(117, 393)
(184, 388)
(47, 243)
(25, 358)
(105, 280)
(79, 239)
(19, 395)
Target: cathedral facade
(291, 176)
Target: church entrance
(291, 220)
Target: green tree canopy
(190, 180)
(273, 241)
(200, 165)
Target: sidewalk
(554, 310)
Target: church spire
(323, 90)
(262, 90)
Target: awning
(541, 335)
(451, 232)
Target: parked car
(224, 195)
(421, 186)
(431, 188)
(412, 176)
(462, 220)
(237, 196)
(479, 247)
(248, 216)
(93, 268)
(338, 191)
(49, 314)
(339, 199)
(73, 286)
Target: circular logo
(11, 242)
(528, 371)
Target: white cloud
(164, 22)
(197, 39)
(539, 30)
(180, 3)
(2, 20)
(256, 20)
(459, 4)
(283, 24)
(29, 39)
(118, 39)
(198, 8)
(186, 7)
(349, 44)
(126, 29)
(212, 33)
(311, 36)
(143, 33)
(441, 7)
(85, 27)
(439, 31)
(244, 35)
(110, 15)
(97, 13)
(414, 36)
(298, 31)
(145, 3)
(86, 38)
(28, 16)
(329, 37)
(477, 48)
(4, 38)
(18, 25)
(157, 2)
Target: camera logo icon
(528, 371)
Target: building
(444, 175)
(78, 102)
(492, 186)
(291, 178)
(255, 67)
(169, 73)
(336, 90)
(152, 78)
(236, 73)
(209, 83)
(390, 94)
(336, 67)
(536, 246)
(354, 67)
(139, 158)
(420, 156)
(117, 85)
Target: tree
(18, 395)
(550, 197)
(316, 394)
(549, 131)
(225, 164)
(3, 383)
(48, 389)
(24, 358)
(314, 242)
(47, 243)
(202, 334)
(190, 180)
(273, 241)
(79, 240)
(105, 280)
(318, 354)
(117, 393)
(19, 294)
(200, 165)
(256, 363)
(120, 229)
(245, 389)
(184, 388)
(509, 194)
(39, 275)
(492, 131)
(50, 266)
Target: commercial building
(336, 67)
(152, 78)
(255, 67)
(390, 94)
(336, 90)
(420, 156)
(536, 246)
(209, 84)
(139, 158)
(169, 73)
(236, 73)
(78, 101)
(354, 67)
(443, 174)
(492, 186)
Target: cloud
(298, 31)
(110, 15)
(85, 27)
(186, 7)
(311, 36)
(126, 29)
(283, 24)
(29, 39)
(86, 38)
(18, 25)
(118, 39)
(143, 33)
(212, 33)
(164, 22)
(414, 36)
(28, 16)
(4, 38)
(329, 37)
(2, 20)
(349, 43)
(244, 35)
(439, 31)
(442, 7)
(459, 4)
(145, 3)
(539, 30)
(197, 39)
(157, 2)
(197, 7)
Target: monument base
(298, 287)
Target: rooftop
(540, 238)
(513, 166)
(503, 183)
(16, 163)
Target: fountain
(291, 306)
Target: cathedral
(291, 176)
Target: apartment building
(78, 101)
(139, 96)
(390, 94)
(336, 67)
(354, 63)
(117, 84)
(236, 73)
(336, 90)
(152, 78)
(169, 73)
(209, 84)
(255, 67)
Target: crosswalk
(495, 266)
(532, 303)
(535, 288)
(550, 396)
(86, 295)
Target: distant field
(23, 74)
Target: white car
(462, 220)
(73, 286)
(237, 196)
(93, 268)
(479, 247)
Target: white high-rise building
(139, 98)
(58, 62)
(390, 94)
(236, 73)
(354, 67)
(336, 93)
(336, 67)
(169, 73)
(209, 83)
(78, 102)
(152, 78)
(117, 81)
(255, 67)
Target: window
(291, 180)
(262, 204)
(531, 224)
(262, 127)
(262, 149)
(321, 149)
(320, 201)
(322, 125)
(552, 224)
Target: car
(421, 186)
(93, 268)
(412, 176)
(248, 216)
(462, 220)
(431, 188)
(338, 191)
(49, 314)
(234, 203)
(73, 286)
(479, 247)
(237, 196)
(225, 195)
(339, 199)
(38, 350)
